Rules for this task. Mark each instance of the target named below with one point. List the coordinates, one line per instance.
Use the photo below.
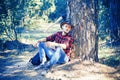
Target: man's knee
(58, 49)
(41, 44)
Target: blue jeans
(55, 56)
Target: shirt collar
(65, 35)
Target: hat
(66, 22)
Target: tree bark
(83, 15)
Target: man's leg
(42, 55)
(46, 51)
(43, 52)
(59, 56)
(64, 58)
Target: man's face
(66, 28)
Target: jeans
(55, 55)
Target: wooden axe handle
(60, 18)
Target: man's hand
(53, 44)
(36, 44)
(42, 40)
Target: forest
(96, 33)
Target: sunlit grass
(105, 52)
(109, 55)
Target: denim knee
(41, 44)
(58, 48)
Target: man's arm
(49, 38)
(62, 46)
(50, 44)
(41, 40)
(53, 44)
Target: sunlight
(2, 57)
(31, 73)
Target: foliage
(115, 21)
(113, 60)
(15, 15)
(45, 10)
(32, 13)
(110, 56)
(103, 19)
(108, 20)
(11, 17)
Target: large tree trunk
(115, 20)
(83, 15)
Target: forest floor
(13, 66)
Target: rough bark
(83, 15)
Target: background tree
(26, 14)
(103, 20)
(108, 19)
(115, 20)
(10, 21)
(83, 15)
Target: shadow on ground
(14, 56)
(13, 66)
(16, 45)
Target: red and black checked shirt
(59, 38)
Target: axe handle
(60, 18)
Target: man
(55, 48)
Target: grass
(105, 52)
(110, 56)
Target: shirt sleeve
(67, 50)
(51, 37)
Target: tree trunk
(115, 20)
(83, 15)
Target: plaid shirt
(59, 38)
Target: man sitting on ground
(55, 48)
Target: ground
(14, 67)
(14, 60)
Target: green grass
(110, 56)
(105, 52)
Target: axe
(60, 18)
